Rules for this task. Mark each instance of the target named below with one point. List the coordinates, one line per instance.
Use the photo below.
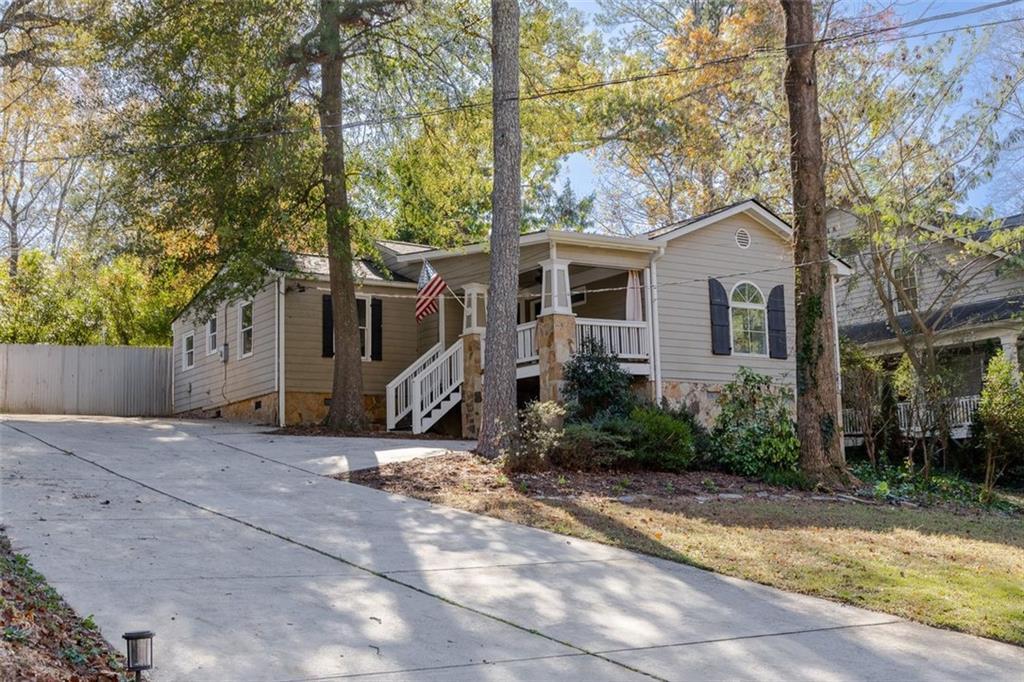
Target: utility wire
(378, 121)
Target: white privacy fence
(119, 381)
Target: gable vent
(742, 238)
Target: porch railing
(961, 417)
(526, 342)
(626, 339)
(399, 391)
(434, 384)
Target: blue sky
(580, 168)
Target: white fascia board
(751, 208)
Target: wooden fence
(119, 381)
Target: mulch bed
(42, 638)
(469, 472)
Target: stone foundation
(700, 398)
(472, 385)
(300, 408)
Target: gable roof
(314, 265)
(751, 207)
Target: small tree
(864, 385)
(1001, 412)
(929, 399)
(595, 383)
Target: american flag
(428, 290)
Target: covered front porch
(566, 295)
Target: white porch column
(555, 295)
(1009, 344)
(474, 318)
(473, 324)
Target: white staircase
(437, 388)
(399, 390)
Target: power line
(757, 53)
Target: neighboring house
(985, 316)
(683, 308)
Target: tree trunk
(499, 409)
(346, 411)
(13, 252)
(821, 454)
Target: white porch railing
(628, 340)
(961, 417)
(436, 388)
(398, 393)
(526, 342)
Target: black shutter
(327, 327)
(721, 344)
(377, 327)
(777, 323)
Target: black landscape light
(140, 651)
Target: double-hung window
(905, 276)
(362, 307)
(245, 329)
(211, 335)
(749, 320)
(188, 351)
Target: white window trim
(897, 304)
(369, 327)
(215, 349)
(241, 305)
(368, 357)
(185, 366)
(763, 307)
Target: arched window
(749, 318)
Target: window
(245, 329)
(906, 281)
(364, 329)
(188, 351)
(211, 336)
(579, 296)
(749, 320)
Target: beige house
(682, 307)
(972, 289)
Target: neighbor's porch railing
(626, 339)
(961, 417)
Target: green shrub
(539, 433)
(596, 384)
(662, 442)
(754, 433)
(702, 443)
(584, 447)
(1001, 415)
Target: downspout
(835, 332)
(656, 326)
(280, 352)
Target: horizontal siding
(605, 305)
(602, 256)
(212, 383)
(858, 300)
(305, 367)
(683, 305)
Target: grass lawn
(42, 638)
(953, 568)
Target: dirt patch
(42, 638)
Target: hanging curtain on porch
(634, 298)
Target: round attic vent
(742, 238)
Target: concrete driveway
(251, 565)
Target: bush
(539, 433)
(662, 442)
(596, 384)
(584, 447)
(702, 444)
(754, 434)
(1001, 415)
